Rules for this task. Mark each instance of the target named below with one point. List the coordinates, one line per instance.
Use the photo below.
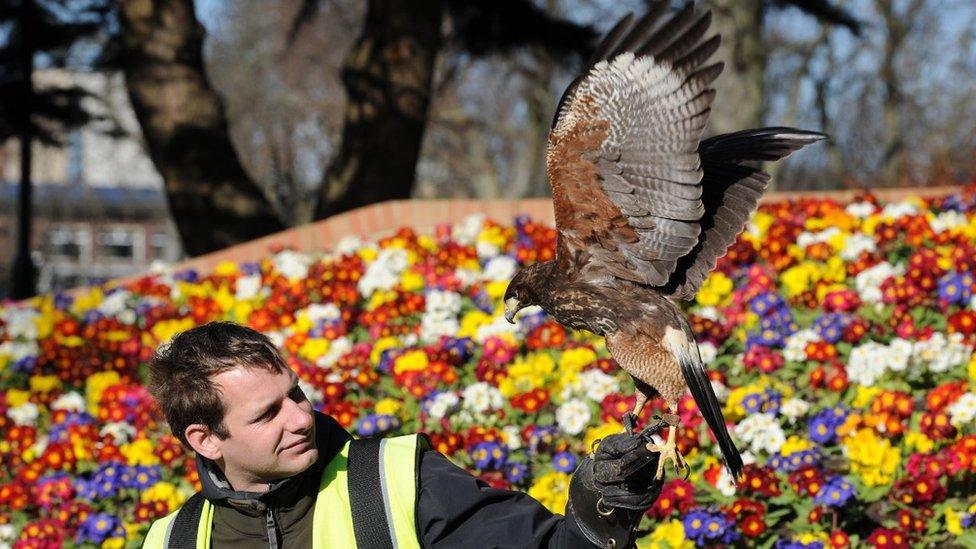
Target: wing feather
(730, 194)
(623, 154)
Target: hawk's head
(523, 290)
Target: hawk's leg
(630, 418)
(669, 450)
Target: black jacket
(454, 509)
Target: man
(275, 473)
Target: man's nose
(301, 418)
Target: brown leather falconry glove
(614, 487)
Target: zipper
(269, 522)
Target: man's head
(227, 394)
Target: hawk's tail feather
(701, 389)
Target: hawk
(644, 207)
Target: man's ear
(203, 441)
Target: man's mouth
(299, 446)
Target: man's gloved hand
(612, 489)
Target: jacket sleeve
(455, 509)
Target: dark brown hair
(181, 373)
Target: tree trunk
(388, 76)
(23, 280)
(213, 201)
(739, 104)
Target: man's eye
(297, 394)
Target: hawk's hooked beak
(511, 307)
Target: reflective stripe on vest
(332, 518)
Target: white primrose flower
(866, 363)
(248, 287)
(513, 437)
(348, 245)
(480, 397)
(896, 210)
(794, 409)
(795, 349)
(442, 404)
(71, 401)
(859, 209)
(868, 282)
(761, 432)
(318, 312)
(708, 352)
(25, 414)
(384, 272)
(572, 416)
(20, 322)
(855, 245)
(500, 267)
(948, 220)
(963, 410)
(466, 232)
(114, 303)
(291, 264)
(120, 430)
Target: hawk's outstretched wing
(730, 194)
(636, 196)
(623, 153)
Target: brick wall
(383, 219)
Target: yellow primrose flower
(368, 253)
(917, 441)
(87, 300)
(380, 297)
(139, 452)
(96, 384)
(302, 323)
(388, 406)
(16, 397)
(313, 348)
(411, 281)
(600, 432)
(113, 543)
(163, 491)
(44, 384)
(809, 538)
(795, 444)
(411, 361)
(241, 311)
(224, 298)
(493, 235)
(667, 535)
(971, 369)
(953, 521)
(552, 491)
(838, 240)
(44, 323)
(226, 268)
(427, 242)
(527, 373)
(382, 344)
(496, 289)
(471, 321)
(762, 221)
(865, 396)
(798, 278)
(165, 330)
(576, 359)
(872, 458)
(715, 288)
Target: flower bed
(839, 337)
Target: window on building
(117, 243)
(159, 241)
(66, 242)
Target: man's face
(271, 426)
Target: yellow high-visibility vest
(332, 520)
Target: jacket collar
(330, 437)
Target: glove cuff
(604, 526)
